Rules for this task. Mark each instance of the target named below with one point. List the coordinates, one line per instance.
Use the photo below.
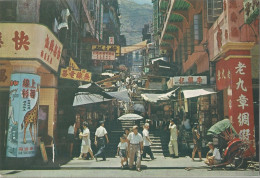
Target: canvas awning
(153, 98)
(197, 92)
(120, 95)
(83, 98)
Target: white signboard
(103, 55)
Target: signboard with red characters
(23, 115)
(103, 55)
(235, 75)
(22, 41)
(80, 75)
(188, 80)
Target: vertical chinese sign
(235, 75)
(23, 115)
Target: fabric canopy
(120, 95)
(197, 92)
(153, 98)
(84, 98)
(131, 117)
(220, 127)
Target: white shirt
(135, 139)
(86, 140)
(173, 130)
(216, 153)
(145, 135)
(71, 129)
(122, 146)
(101, 132)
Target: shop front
(28, 64)
(234, 77)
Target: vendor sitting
(213, 156)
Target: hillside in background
(133, 18)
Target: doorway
(4, 98)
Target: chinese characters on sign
(103, 55)
(80, 75)
(235, 76)
(188, 80)
(19, 40)
(23, 115)
(115, 48)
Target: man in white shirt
(173, 144)
(135, 147)
(100, 135)
(215, 158)
(147, 142)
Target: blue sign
(23, 115)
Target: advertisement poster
(23, 115)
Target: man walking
(147, 142)
(173, 144)
(135, 147)
(100, 135)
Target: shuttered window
(198, 28)
(214, 9)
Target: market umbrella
(220, 127)
(131, 117)
(139, 107)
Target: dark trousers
(101, 147)
(147, 149)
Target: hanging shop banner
(188, 80)
(80, 75)
(111, 40)
(103, 55)
(115, 48)
(73, 64)
(21, 40)
(23, 115)
(235, 76)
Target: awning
(120, 95)
(159, 59)
(84, 98)
(153, 98)
(197, 92)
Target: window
(214, 9)
(198, 29)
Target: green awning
(220, 127)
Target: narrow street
(129, 88)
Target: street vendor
(215, 158)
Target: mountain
(133, 17)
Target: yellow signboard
(80, 75)
(30, 41)
(73, 64)
(115, 48)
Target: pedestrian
(100, 135)
(122, 150)
(85, 144)
(215, 158)
(77, 130)
(173, 144)
(147, 142)
(71, 138)
(135, 147)
(196, 141)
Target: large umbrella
(220, 127)
(139, 107)
(131, 117)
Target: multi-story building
(215, 39)
(37, 39)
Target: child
(122, 150)
(86, 144)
